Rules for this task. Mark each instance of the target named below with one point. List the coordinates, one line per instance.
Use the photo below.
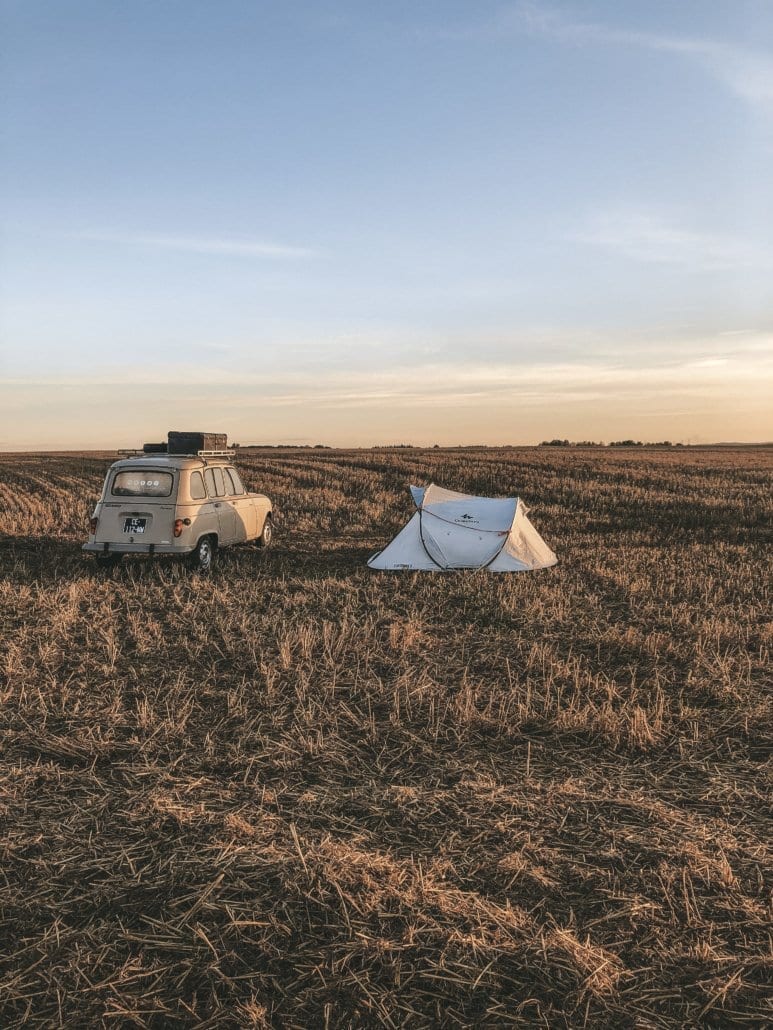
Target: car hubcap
(267, 533)
(205, 555)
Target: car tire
(202, 557)
(265, 538)
(107, 562)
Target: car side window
(219, 482)
(209, 479)
(198, 492)
(233, 484)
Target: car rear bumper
(94, 547)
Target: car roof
(168, 462)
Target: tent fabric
(450, 530)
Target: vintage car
(174, 504)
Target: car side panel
(262, 507)
(246, 519)
(230, 523)
(204, 522)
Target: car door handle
(216, 504)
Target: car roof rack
(136, 452)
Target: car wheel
(107, 562)
(268, 532)
(202, 557)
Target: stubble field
(301, 794)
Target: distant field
(304, 794)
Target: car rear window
(142, 483)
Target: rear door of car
(137, 506)
(199, 508)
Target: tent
(461, 531)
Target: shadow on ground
(25, 558)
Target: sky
(362, 223)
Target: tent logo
(467, 518)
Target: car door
(245, 525)
(202, 509)
(226, 516)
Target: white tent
(461, 531)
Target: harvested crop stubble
(301, 794)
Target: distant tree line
(613, 443)
(462, 447)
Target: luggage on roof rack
(154, 448)
(193, 443)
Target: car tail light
(93, 523)
(179, 525)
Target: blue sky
(360, 223)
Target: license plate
(133, 525)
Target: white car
(168, 504)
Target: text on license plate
(134, 525)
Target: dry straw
(301, 794)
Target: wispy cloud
(648, 235)
(746, 73)
(716, 393)
(706, 365)
(230, 247)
